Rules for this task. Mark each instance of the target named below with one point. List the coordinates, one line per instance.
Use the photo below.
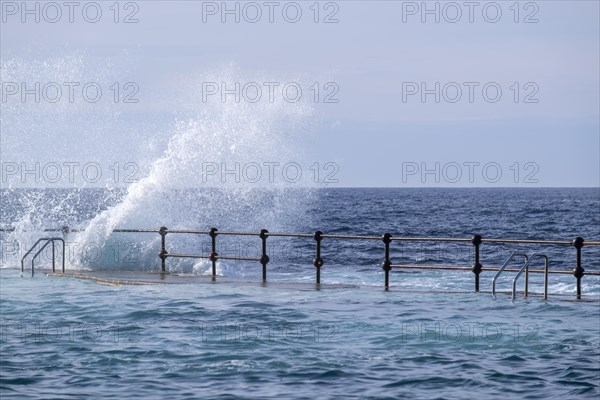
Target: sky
(400, 94)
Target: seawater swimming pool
(72, 338)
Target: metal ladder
(524, 267)
(513, 255)
(47, 242)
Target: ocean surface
(430, 336)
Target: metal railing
(387, 239)
(47, 241)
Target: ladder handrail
(514, 254)
(48, 241)
(526, 268)
(38, 253)
(29, 251)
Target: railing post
(63, 256)
(264, 258)
(65, 231)
(318, 261)
(213, 251)
(477, 267)
(163, 250)
(546, 262)
(526, 289)
(387, 264)
(53, 258)
(578, 272)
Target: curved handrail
(29, 251)
(38, 253)
(526, 267)
(48, 241)
(514, 254)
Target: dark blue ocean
(430, 336)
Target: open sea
(429, 337)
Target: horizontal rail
(494, 269)
(529, 241)
(187, 231)
(336, 236)
(237, 258)
(175, 255)
(237, 233)
(440, 267)
(430, 239)
(136, 230)
(297, 235)
(352, 237)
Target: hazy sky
(463, 90)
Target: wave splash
(184, 189)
